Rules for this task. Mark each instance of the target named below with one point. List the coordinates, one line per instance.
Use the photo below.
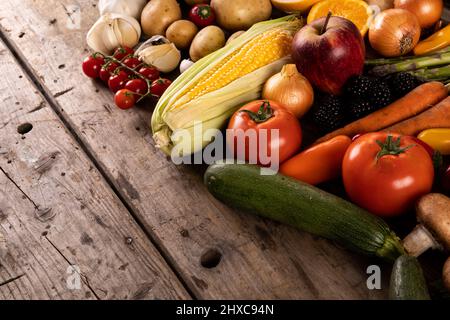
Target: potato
(208, 40)
(241, 14)
(234, 36)
(181, 33)
(158, 15)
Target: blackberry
(359, 87)
(381, 94)
(402, 83)
(360, 108)
(328, 113)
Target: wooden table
(86, 195)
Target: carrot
(319, 163)
(436, 117)
(418, 100)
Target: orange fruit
(294, 5)
(357, 11)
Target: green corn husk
(214, 108)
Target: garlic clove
(109, 37)
(152, 42)
(132, 29)
(186, 64)
(168, 61)
(95, 37)
(160, 53)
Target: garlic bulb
(132, 8)
(186, 64)
(113, 30)
(160, 53)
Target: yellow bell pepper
(438, 139)
(436, 41)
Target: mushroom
(433, 231)
(446, 274)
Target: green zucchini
(302, 206)
(407, 280)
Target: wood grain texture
(56, 211)
(258, 258)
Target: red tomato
(132, 62)
(160, 86)
(118, 81)
(386, 173)
(150, 72)
(137, 86)
(123, 52)
(426, 146)
(202, 15)
(356, 137)
(124, 99)
(252, 119)
(107, 71)
(92, 65)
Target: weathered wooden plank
(59, 217)
(258, 258)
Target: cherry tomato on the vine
(137, 86)
(159, 86)
(92, 65)
(386, 173)
(132, 62)
(117, 81)
(108, 70)
(123, 52)
(150, 72)
(124, 99)
(202, 15)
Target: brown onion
(394, 32)
(428, 12)
(290, 89)
(381, 4)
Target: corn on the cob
(212, 89)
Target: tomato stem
(110, 59)
(391, 147)
(264, 113)
(204, 12)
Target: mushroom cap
(446, 274)
(433, 211)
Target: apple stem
(324, 28)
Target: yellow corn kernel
(260, 51)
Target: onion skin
(382, 4)
(428, 12)
(394, 32)
(290, 89)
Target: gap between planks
(51, 100)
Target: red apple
(327, 53)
